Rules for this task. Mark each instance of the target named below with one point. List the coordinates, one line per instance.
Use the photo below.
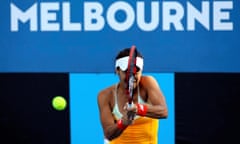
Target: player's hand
(126, 121)
(130, 110)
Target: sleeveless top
(144, 130)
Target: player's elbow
(110, 136)
(163, 114)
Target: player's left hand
(131, 110)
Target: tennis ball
(59, 103)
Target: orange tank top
(144, 130)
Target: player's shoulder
(147, 78)
(147, 81)
(106, 92)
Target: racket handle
(130, 104)
(131, 115)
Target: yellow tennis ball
(59, 103)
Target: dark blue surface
(200, 50)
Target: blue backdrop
(85, 36)
(84, 114)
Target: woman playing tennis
(138, 123)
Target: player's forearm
(116, 129)
(113, 132)
(156, 111)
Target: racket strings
(131, 71)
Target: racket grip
(130, 104)
(131, 115)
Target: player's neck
(122, 91)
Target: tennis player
(148, 106)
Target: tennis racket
(131, 70)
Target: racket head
(131, 70)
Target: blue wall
(49, 47)
(34, 39)
(84, 115)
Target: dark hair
(125, 52)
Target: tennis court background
(35, 66)
(84, 115)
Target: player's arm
(111, 128)
(158, 107)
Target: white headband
(123, 63)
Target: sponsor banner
(85, 36)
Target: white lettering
(17, 14)
(174, 19)
(122, 16)
(48, 17)
(193, 14)
(219, 16)
(67, 25)
(154, 16)
(93, 19)
(120, 26)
